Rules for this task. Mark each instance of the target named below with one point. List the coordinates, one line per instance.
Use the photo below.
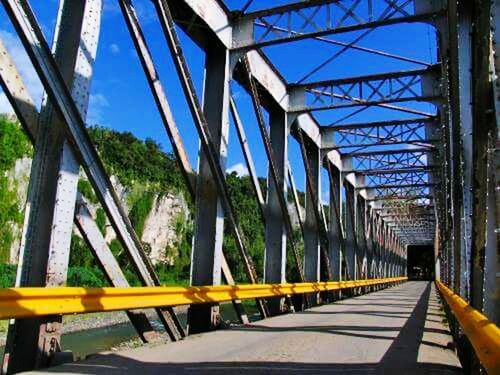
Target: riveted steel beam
(394, 87)
(378, 133)
(22, 103)
(41, 57)
(308, 19)
(208, 146)
(46, 240)
(171, 128)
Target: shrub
(90, 277)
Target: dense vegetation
(14, 144)
(146, 171)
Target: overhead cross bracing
(384, 140)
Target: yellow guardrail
(31, 302)
(483, 334)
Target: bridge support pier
(206, 257)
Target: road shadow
(400, 358)
(116, 364)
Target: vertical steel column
(44, 252)
(368, 212)
(485, 127)
(460, 45)
(350, 240)
(275, 251)
(492, 256)
(335, 228)
(206, 257)
(22, 103)
(359, 219)
(382, 248)
(311, 238)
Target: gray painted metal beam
(208, 146)
(45, 245)
(23, 105)
(15, 90)
(171, 128)
(109, 265)
(312, 258)
(350, 236)
(39, 53)
(273, 171)
(206, 256)
(416, 85)
(275, 234)
(309, 153)
(336, 240)
(308, 19)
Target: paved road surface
(399, 330)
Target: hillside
(152, 190)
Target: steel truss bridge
(424, 178)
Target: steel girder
(388, 160)
(397, 178)
(315, 18)
(375, 89)
(377, 134)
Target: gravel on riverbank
(82, 322)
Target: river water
(95, 340)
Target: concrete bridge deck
(399, 330)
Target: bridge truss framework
(441, 189)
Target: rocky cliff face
(19, 179)
(159, 232)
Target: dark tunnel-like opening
(420, 263)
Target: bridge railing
(35, 302)
(483, 334)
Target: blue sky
(121, 98)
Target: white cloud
(111, 7)
(240, 169)
(146, 12)
(25, 68)
(97, 103)
(114, 48)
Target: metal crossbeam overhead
(412, 221)
(307, 19)
(397, 178)
(351, 45)
(402, 198)
(408, 215)
(395, 186)
(397, 170)
(398, 192)
(389, 152)
(375, 89)
(387, 160)
(376, 134)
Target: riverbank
(83, 322)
